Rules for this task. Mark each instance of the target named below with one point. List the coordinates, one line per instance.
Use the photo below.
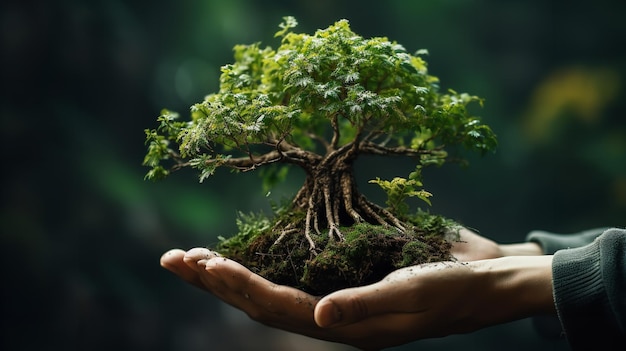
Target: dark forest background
(82, 232)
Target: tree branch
(285, 154)
(378, 149)
(335, 124)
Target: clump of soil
(366, 255)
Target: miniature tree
(319, 102)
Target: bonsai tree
(319, 102)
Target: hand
(274, 305)
(473, 247)
(412, 303)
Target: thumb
(398, 292)
(349, 306)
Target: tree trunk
(330, 199)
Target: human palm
(404, 306)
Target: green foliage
(318, 92)
(432, 225)
(398, 189)
(249, 227)
(158, 141)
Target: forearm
(515, 287)
(521, 249)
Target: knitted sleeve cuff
(581, 294)
(551, 242)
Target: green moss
(367, 254)
(413, 251)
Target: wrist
(521, 249)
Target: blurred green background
(82, 231)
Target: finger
(197, 257)
(347, 306)
(182, 264)
(399, 292)
(173, 260)
(261, 299)
(290, 309)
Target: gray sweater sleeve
(589, 287)
(551, 242)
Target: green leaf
(316, 93)
(288, 23)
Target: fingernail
(336, 315)
(330, 316)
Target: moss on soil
(368, 253)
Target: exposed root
(284, 233)
(330, 200)
(364, 204)
(396, 222)
(332, 223)
(335, 233)
(346, 185)
(307, 235)
(336, 206)
(316, 225)
(307, 229)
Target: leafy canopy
(315, 94)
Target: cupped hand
(424, 301)
(472, 247)
(278, 306)
(409, 304)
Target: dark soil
(366, 255)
